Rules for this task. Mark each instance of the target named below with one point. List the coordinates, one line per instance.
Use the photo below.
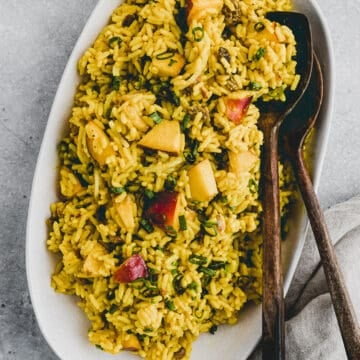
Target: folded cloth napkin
(312, 331)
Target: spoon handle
(342, 303)
(273, 298)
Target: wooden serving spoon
(293, 133)
(272, 115)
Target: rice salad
(158, 224)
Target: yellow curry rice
(165, 113)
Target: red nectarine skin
(131, 269)
(161, 209)
(237, 108)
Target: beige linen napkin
(312, 331)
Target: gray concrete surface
(36, 38)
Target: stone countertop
(36, 38)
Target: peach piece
(165, 136)
(98, 143)
(199, 9)
(241, 162)
(171, 66)
(202, 181)
(126, 210)
(131, 343)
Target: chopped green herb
(117, 190)
(115, 83)
(113, 308)
(141, 337)
(198, 33)
(99, 346)
(83, 182)
(182, 223)
(207, 271)
(139, 82)
(167, 54)
(177, 284)
(217, 264)
(185, 122)
(151, 292)
(211, 231)
(191, 154)
(172, 62)
(156, 117)
(149, 194)
(255, 85)
(146, 225)
(192, 286)
(198, 259)
(170, 183)
(209, 223)
(259, 54)
(174, 99)
(159, 248)
(224, 200)
(108, 112)
(170, 305)
(253, 186)
(259, 26)
(210, 227)
(277, 93)
(152, 277)
(148, 330)
(115, 40)
(170, 231)
(213, 329)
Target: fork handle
(343, 307)
(273, 338)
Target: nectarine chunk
(163, 209)
(165, 136)
(241, 162)
(98, 143)
(202, 181)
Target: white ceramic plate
(62, 323)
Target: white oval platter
(62, 323)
